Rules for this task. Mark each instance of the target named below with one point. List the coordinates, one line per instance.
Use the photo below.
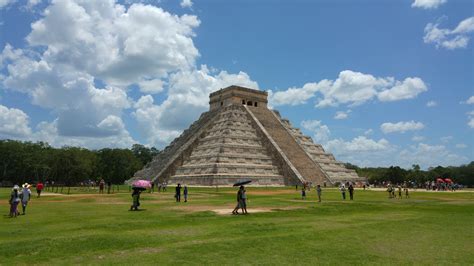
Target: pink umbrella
(448, 180)
(439, 180)
(142, 184)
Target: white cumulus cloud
(470, 100)
(13, 122)
(342, 115)
(401, 127)
(449, 39)
(431, 104)
(470, 117)
(320, 131)
(428, 4)
(186, 3)
(351, 88)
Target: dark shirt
(178, 190)
(239, 195)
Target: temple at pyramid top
(240, 138)
(238, 95)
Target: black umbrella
(241, 183)
(139, 188)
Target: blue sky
(377, 83)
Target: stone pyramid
(239, 138)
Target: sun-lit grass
(87, 228)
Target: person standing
(25, 197)
(351, 192)
(303, 193)
(399, 192)
(343, 191)
(14, 200)
(39, 188)
(101, 186)
(185, 193)
(178, 193)
(319, 191)
(406, 193)
(109, 186)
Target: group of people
(350, 188)
(177, 194)
(392, 191)
(18, 196)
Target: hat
(26, 185)
(16, 187)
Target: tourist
(164, 186)
(343, 191)
(351, 192)
(303, 193)
(101, 186)
(399, 192)
(185, 193)
(152, 187)
(389, 190)
(135, 199)
(406, 193)
(39, 188)
(25, 197)
(14, 200)
(318, 191)
(239, 201)
(243, 199)
(178, 193)
(109, 186)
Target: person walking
(351, 192)
(109, 186)
(39, 188)
(185, 193)
(303, 193)
(399, 192)
(135, 199)
(25, 197)
(178, 193)
(406, 193)
(239, 201)
(343, 191)
(14, 201)
(243, 199)
(319, 191)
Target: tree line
(463, 174)
(22, 162)
(32, 162)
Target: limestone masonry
(240, 138)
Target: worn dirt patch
(227, 210)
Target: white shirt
(26, 194)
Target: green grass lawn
(87, 228)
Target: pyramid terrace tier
(242, 140)
(229, 148)
(228, 179)
(228, 168)
(243, 158)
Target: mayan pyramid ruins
(240, 138)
